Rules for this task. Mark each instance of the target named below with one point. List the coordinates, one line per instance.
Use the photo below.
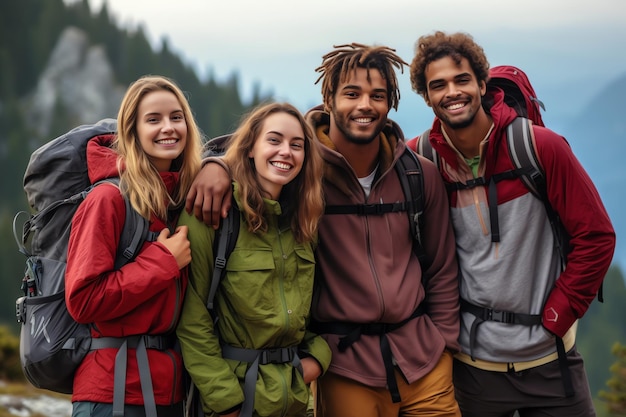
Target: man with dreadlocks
(391, 332)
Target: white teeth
(456, 106)
(363, 120)
(167, 141)
(281, 165)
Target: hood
(101, 159)
(102, 163)
(502, 115)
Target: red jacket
(492, 274)
(143, 297)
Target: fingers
(226, 202)
(190, 201)
(207, 209)
(210, 212)
(182, 230)
(163, 235)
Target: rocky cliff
(78, 77)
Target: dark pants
(91, 409)
(535, 392)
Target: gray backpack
(52, 344)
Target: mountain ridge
(598, 138)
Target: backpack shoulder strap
(523, 155)
(425, 148)
(134, 233)
(409, 171)
(224, 243)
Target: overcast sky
(573, 46)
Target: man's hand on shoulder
(210, 195)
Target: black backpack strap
(482, 314)
(366, 209)
(226, 238)
(528, 169)
(351, 332)
(409, 172)
(411, 177)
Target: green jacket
(263, 301)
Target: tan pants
(433, 396)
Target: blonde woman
(134, 310)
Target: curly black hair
(438, 45)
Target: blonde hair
(338, 65)
(303, 196)
(139, 179)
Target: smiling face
(453, 92)
(360, 107)
(278, 152)
(161, 128)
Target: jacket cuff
(230, 410)
(558, 316)
(217, 160)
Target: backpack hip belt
(483, 314)
(158, 342)
(256, 357)
(353, 331)
(141, 343)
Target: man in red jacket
(519, 304)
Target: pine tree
(615, 397)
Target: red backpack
(518, 92)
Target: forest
(29, 30)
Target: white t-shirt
(366, 182)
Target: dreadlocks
(337, 64)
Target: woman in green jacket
(252, 355)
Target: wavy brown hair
(457, 46)
(338, 64)
(139, 179)
(302, 197)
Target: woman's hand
(177, 244)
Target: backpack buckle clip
(278, 355)
(499, 316)
(220, 262)
(20, 310)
